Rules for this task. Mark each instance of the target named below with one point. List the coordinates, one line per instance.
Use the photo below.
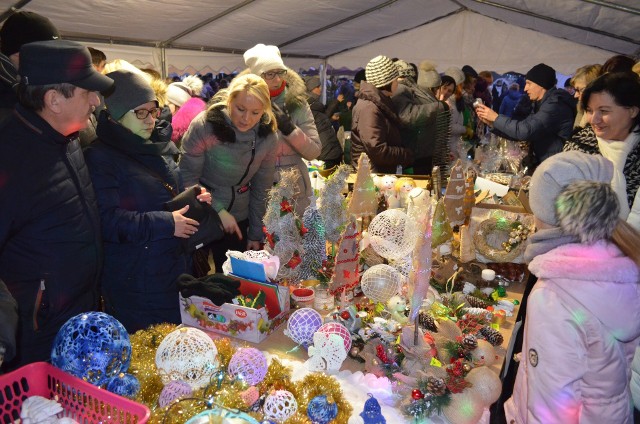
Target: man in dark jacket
(331, 153)
(20, 28)
(551, 122)
(50, 245)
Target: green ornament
(502, 292)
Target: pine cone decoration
(427, 322)
(492, 335)
(436, 386)
(475, 302)
(469, 342)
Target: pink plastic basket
(80, 400)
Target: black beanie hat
(25, 27)
(468, 70)
(543, 75)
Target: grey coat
(226, 161)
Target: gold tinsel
(144, 344)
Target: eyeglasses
(579, 90)
(272, 74)
(143, 113)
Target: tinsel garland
(223, 391)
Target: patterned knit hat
(405, 70)
(380, 71)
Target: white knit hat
(428, 77)
(178, 93)
(455, 73)
(261, 58)
(380, 71)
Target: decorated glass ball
(187, 354)
(393, 234)
(340, 330)
(173, 391)
(280, 405)
(380, 282)
(302, 324)
(249, 364)
(93, 346)
(124, 384)
(322, 410)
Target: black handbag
(210, 228)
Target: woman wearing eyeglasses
(298, 136)
(134, 175)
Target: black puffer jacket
(50, 246)
(547, 128)
(331, 150)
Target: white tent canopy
(210, 36)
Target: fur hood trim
(296, 93)
(225, 132)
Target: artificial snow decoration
(302, 324)
(380, 282)
(187, 354)
(248, 364)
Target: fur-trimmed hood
(598, 276)
(296, 92)
(224, 131)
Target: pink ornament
(173, 391)
(250, 396)
(248, 364)
(340, 330)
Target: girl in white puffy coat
(583, 314)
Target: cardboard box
(252, 325)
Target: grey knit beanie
(131, 90)
(428, 77)
(455, 73)
(554, 173)
(380, 71)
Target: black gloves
(218, 288)
(284, 121)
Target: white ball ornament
(393, 234)
(280, 405)
(187, 354)
(484, 354)
(464, 408)
(485, 383)
(380, 282)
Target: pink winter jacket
(582, 327)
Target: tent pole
(163, 62)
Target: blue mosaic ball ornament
(92, 346)
(321, 411)
(372, 413)
(124, 384)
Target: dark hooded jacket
(547, 128)
(50, 246)
(8, 84)
(142, 259)
(376, 132)
(331, 150)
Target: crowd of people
(91, 151)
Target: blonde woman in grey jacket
(230, 149)
(297, 134)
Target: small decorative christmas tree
(314, 243)
(364, 201)
(332, 204)
(346, 275)
(441, 230)
(454, 195)
(283, 229)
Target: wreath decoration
(500, 240)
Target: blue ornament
(372, 413)
(92, 346)
(124, 384)
(321, 411)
